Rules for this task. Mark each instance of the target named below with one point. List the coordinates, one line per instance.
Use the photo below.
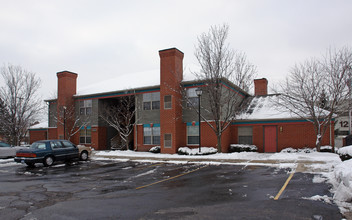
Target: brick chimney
(171, 75)
(66, 88)
(261, 86)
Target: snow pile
(343, 181)
(243, 148)
(345, 152)
(155, 149)
(195, 151)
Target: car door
(59, 151)
(71, 150)
(6, 150)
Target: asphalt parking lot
(109, 189)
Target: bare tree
(20, 95)
(220, 63)
(317, 89)
(71, 121)
(3, 117)
(120, 115)
(245, 72)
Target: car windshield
(38, 145)
(2, 144)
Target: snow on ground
(247, 156)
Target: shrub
(195, 151)
(345, 153)
(299, 150)
(155, 149)
(326, 148)
(242, 148)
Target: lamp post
(199, 94)
(64, 122)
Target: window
(167, 140)
(151, 101)
(85, 135)
(56, 145)
(193, 134)
(192, 97)
(85, 107)
(167, 102)
(67, 144)
(151, 135)
(245, 135)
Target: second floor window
(151, 101)
(167, 102)
(85, 107)
(192, 98)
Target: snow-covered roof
(128, 81)
(263, 107)
(43, 124)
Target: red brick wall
(37, 135)
(209, 139)
(258, 137)
(98, 138)
(295, 135)
(52, 133)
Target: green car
(48, 152)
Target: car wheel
(84, 155)
(48, 161)
(30, 164)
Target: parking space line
(284, 186)
(173, 177)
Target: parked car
(50, 151)
(8, 151)
(84, 152)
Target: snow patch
(146, 173)
(318, 179)
(324, 198)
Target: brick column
(66, 88)
(171, 75)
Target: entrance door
(270, 139)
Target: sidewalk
(312, 162)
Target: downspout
(349, 122)
(330, 135)
(135, 126)
(136, 137)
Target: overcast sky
(102, 39)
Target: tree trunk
(219, 143)
(318, 142)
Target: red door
(270, 139)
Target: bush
(326, 148)
(242, 148)
(345, 153)
(299, 150)
(195, 151)
(155, 149)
